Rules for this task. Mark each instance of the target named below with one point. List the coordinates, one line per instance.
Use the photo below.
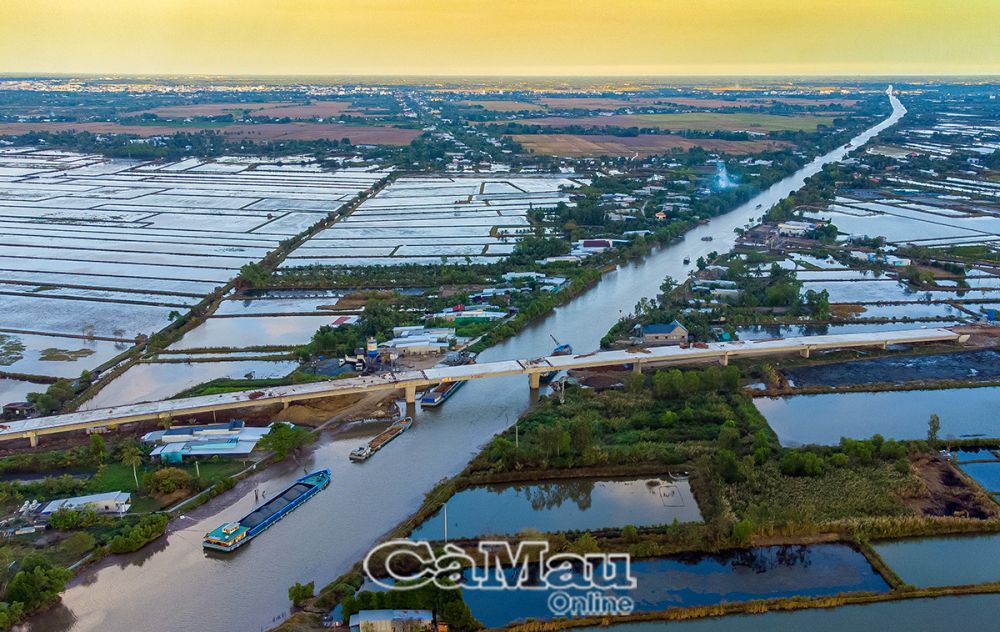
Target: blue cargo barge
(233, 535)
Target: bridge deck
(416, 379)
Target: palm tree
(132, 455)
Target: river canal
(172, 585)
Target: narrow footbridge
(411, 381)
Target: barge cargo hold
(232, 535)
(437, 395)
(365, 452)
(441, 392)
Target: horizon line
(52, 74)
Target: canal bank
(164, 589)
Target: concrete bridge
(412, 381)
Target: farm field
(99, 251)
(316, 109)
(604, 103)
(358, 134)
(504, 106)
(700, 121)
(579, 145)
(207, 109)
(425, 219)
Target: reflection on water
(564, 505)
(151, 381)
(253, 331)
(952, 561)
(699, 580)
(824, 419)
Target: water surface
(562, 505)
(743, 575)
(953, 561)
(824, 419)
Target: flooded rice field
(151, 381)
(54, 356)
(427, 219)
(899, 221)
(973, 365)
(562, 505)
(824, 419)
(255, 331)
(909, 310)
(700, 580)
(17, 390)
(948, 561)
(111, 248)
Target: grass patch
(53, 354)
(11, 350)
(118, 477)
(767, 496)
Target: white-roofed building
(108, 502)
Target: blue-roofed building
(232, 439)
(657, 334)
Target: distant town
(743, 332)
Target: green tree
(553, 440)
(743, 531)
(933, 429)
(37, 583)
(254, 274)
(283, 439)
(728, 466)
(634, 383)
(132, 454)
(300, 592)
(169, 480)
(586, 543)
(98, 449)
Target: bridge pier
(805, 352)
(534, 381)
(724, 360)
(33, 439)
(411, 394)
(637, 368)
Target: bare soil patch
(576, 145)
(947, 492)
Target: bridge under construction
(411, 381)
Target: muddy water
(177, 587)
(977, 365)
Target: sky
(500, 37)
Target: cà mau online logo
(500, 567)
(578, 585)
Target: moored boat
(437, 395)
(363, 453)
(232, 535)
(560, 349)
